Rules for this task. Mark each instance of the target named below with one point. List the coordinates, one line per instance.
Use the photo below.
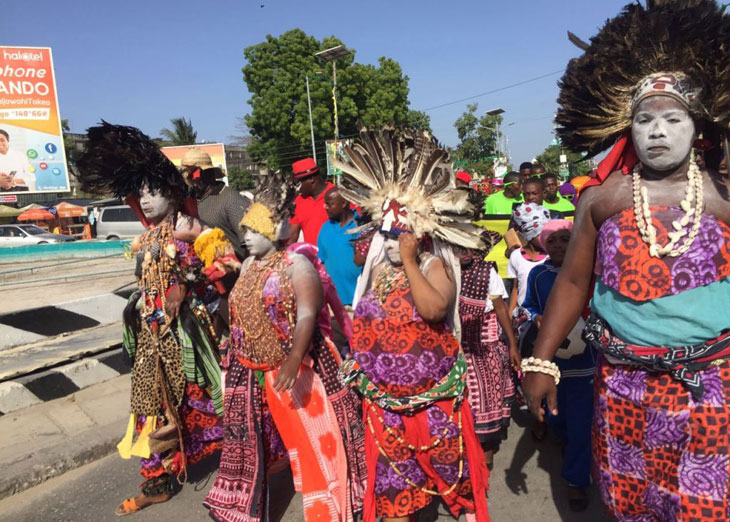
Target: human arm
(503, 317)
(338, 310)
(514, 295)
(187, 228)
(564, 305)
(309, 296)
(433, 292)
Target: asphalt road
(525, 485)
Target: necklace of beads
(158, 264)
(388, 280)
(693, 193)
(412, 448)
(263, 348)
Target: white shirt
(17, 161)
(519, 268)
(495, 289)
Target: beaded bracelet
(535, 365)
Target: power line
(493, 91)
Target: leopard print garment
(146, 390)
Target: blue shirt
(337, 252)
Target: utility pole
(311, 127)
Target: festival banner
(32, 156)
(217, 152)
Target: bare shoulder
(717, 195)
(299, 265)
(604, 200)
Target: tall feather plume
(410, 167)
(688, 36)
(276, 192)
(120, 160)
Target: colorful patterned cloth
(660, 455)
(403, 356)
(624, 264)
(489, 379)
(316, 423)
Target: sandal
(132, 505)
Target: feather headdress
(272, 205)
(686, 39)
(410, 168)
(121, 159)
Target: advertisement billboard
(32, 156)
(216, 151)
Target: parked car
(118, 222)
(20, 235)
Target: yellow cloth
(141, 448)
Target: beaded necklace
(158, 266)
(263, 349)
(694, 192)
(388, 280)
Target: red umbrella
(36, 214)
(68, 210)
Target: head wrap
(552, 226)
(530, 218)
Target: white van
(118, 222)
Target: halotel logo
(26, 56)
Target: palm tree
(182, 132)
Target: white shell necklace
(693, 193)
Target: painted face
(155, 206)
(3, 144)
(392, 251)
(663, 133)
(257, 244)
(557, 245)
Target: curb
(59, 382)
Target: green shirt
(561, 205)
(498, 203)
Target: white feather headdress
(408, 166)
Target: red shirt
(310, 215)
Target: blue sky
(144, 62)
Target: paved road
(525, 485)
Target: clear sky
(142, 62)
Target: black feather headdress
(121, 160)
(276, 192)
(688, 37)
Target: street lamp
(311, 127)
(496, 112)
(331, 55)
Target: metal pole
(334, 97)
(311, 127)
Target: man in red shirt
(309, 213)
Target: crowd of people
(357, 333)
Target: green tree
(550, 159)
(478, 137)
(275, 75)
(241, 179)
(182, 132)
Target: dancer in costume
(176, 396)
(408, 364)
(282, 391)
(653, 230)
(484, 320)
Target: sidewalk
(48, 439)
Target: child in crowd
(484, 323)
(576, 363)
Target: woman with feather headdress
(176, 395)
(653, 229)
(283, 396)
(407, 363)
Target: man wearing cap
(463, 179)
(502, 202)
(219, 206)
(309, 212)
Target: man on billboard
(15, 169)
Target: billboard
(32, 156)
(334, 149)
(216, 151)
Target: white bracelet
(535, 365)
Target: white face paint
(155, 206)
(392, 251)
(663, 133)
(257, 244)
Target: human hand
(408, 246)
(514, 357)
(174, 300)
(287, 375)
(6, 181)
(536, 387)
